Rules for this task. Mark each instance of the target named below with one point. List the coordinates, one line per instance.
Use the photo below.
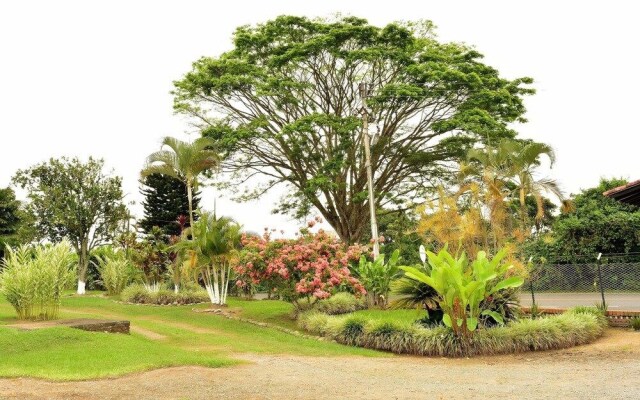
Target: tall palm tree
(514, 162)
(525, 157)
(184, 161)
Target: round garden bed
(574, 327)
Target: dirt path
(608, 368)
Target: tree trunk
(83, 264)
(190, 201)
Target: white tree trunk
(176, 288)
(81, 287)
(217, 284)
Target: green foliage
(340, 303)
(410, 293)
(376, 277)
(598, 224)
(214, 244)
(281, 103)
(184, 161)
(463, 286)
(9, 219)
(116, 270)
(398, 227)
(152, 256)
(33, 279)
(394, 334)
(139, 294)
(165, 200)
(74, 200)
(635, 323)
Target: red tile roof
(629, 193)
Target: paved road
(615, 301)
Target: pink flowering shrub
(308, 268)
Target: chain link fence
(614, 280)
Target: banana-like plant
(462, 285)
(376, 277)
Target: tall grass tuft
(341, 303)
(33, 279)
(116, 271)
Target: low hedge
(138, 294)
(574, 327)
(341, 303)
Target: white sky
(93, 77)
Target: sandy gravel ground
(608, 368)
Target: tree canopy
(283, 106)
(598, 224)
(165, 201)
(184, 161)
(9, 219)
(74, 200)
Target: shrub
(574, 327)
(301, 270)
(464, 287)
(116, 271)
(635, 323)
(376, 277)
(341, 303)
(139, 294)
(33, 279)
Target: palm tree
(215, 243)
(513, 163)
(184, 161)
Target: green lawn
(182, 337)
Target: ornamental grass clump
(140, 294)
(116, 271)
(341, 303)
(33, 279)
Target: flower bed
(574, 327)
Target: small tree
(74, 200)
(301, 270)
(214, 246)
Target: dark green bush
(635, 323)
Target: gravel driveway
(608, 368)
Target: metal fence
(612, 280)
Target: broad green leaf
(446, 319)
(514, 281)
(472, 324)
(499, 319)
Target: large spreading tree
(74, 200)
(165, 202)
(285, 108)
